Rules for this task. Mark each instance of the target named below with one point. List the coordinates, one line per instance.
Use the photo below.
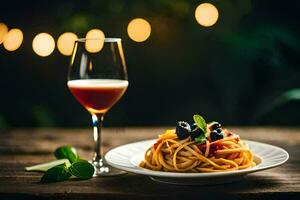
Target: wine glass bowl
(98, 79)
(97, 95)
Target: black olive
(219, 130)
(214, 126)
(194, 126)
(183, 130)
(215, 135)
(196, 133)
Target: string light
(206, 14)
(43, 44)
(3, 31)
(139, 30)
(65, 43)
(92, 45)
(13, 39)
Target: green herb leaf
(200, 121)
(82, 169)
(200, 139)
(56, 174)
(67, 152)
(45, 166)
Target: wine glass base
(107, 171)
(104, 170)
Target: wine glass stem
(97, 125)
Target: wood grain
(24, 147)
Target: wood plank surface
(24, 147)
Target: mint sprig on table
(68, 152)
(68, 164)
(56, 174)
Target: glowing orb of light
(139, 29)
(43, 44)
(94, 40)
(206, 14)
(65, 43)
(3, 31)
(13, 39)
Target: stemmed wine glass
(98, 79)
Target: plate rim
(152, 173)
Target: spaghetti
(172, 154)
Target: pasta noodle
(171, 154)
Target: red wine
(97, 95)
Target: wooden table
(25, 147)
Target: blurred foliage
(42, 116)
(273, 54)
(3, 123)
(244, 70)
(268, 43)
(280, 100)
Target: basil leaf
(45, 166)
(201, 139)
(67, 152)
(82, 169)
(56, 174)
(200, 121)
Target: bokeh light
(13, 39)
(206, 14)
(3, 31)
(92, 45)
(65, 43)
(139, 30)
(43, 44)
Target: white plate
(127, 157)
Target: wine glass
(98, 79)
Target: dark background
(244, 70)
